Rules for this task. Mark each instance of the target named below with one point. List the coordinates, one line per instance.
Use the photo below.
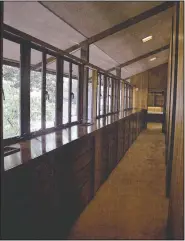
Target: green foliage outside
(11, 102)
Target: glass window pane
(90, 95)
(107, 96)
(121, 96)
(50, 94)
(66, 93)
(113, 96)
(110, 94)
(102, 95)
(98, 95)
(35, 92)
(11, 101)
(11, 89)
(74, 101)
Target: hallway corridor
(131, 204)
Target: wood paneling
(141, 93)
(176, 207)
(154, 79)
(158, 78)
(43, 197)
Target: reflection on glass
(11, 101)
(65, 135)
(36, 147)
(74, 132)
(50, 142)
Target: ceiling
(64, 24)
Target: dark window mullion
(25, 56)
(59, 91)
(43, 92)
(70, 91)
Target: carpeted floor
(131, 204)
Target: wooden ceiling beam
(116, 28)
(141, 57)
(130, 22)
(123, 25)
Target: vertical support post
(43, 94)
(85, 56)
(118, 74)
(25, 54)
(94, 93)
(59, 91)
(173, 101)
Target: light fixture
(147, 39)
(152, 59)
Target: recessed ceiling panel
(36, 20)
(93, 17)
(145, 64)
(127, 44)
(101, 59)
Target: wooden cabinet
(42, 198)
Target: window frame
(33, 43)
(104, 81)
(128, 96)
(25, 72)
